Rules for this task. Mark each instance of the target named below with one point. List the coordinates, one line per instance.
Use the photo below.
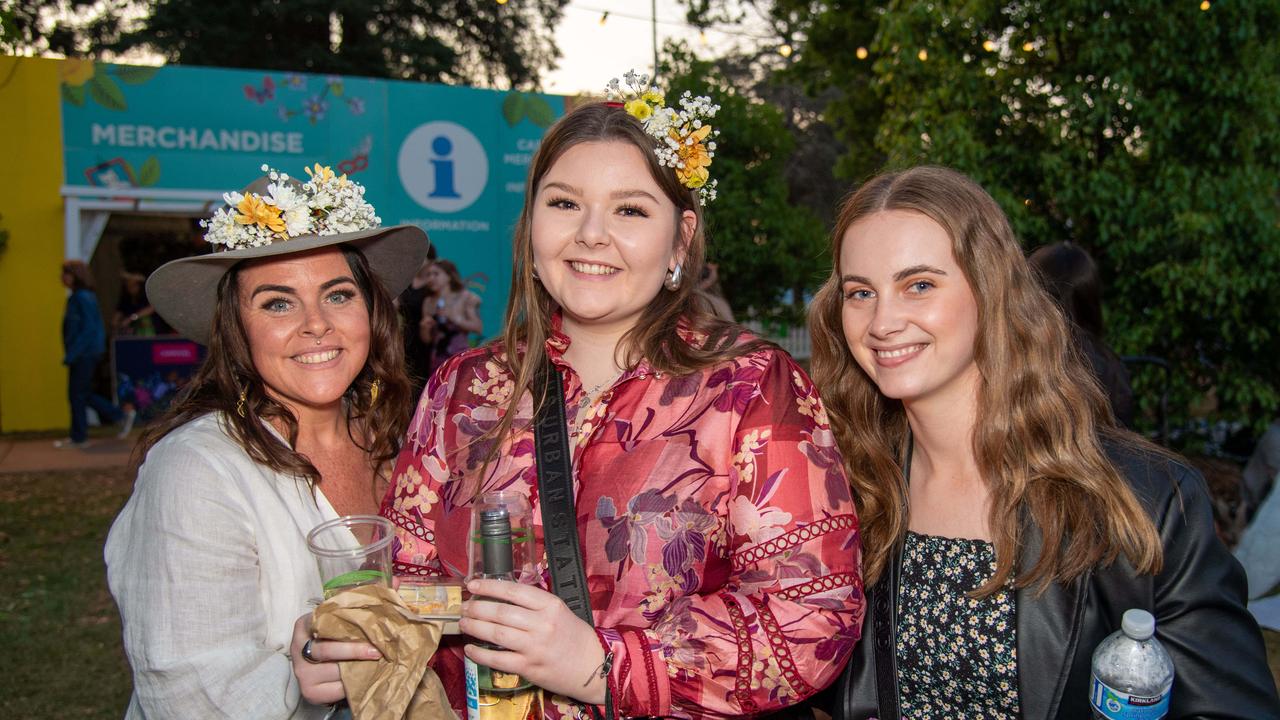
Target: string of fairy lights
(784, 49)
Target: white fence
(794, 340)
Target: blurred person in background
(450, 313)
(417, 356)
(1259, 548)
(134, 314)
(1071, 278)
(1261, 471)
(84, 340)
(710, 292)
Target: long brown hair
(654, 338)
(1041, 416)
(376, 427)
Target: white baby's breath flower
(324, 205)
(283, 196)
(297, 221)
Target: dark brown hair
(1041, 417)
(376, 427)
(451, 270)
(81, 277)
(654, 338)
(1071, 277)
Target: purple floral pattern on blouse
(720, 538)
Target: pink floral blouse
(721, 542)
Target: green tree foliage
(766, 247)
(453, 41)
(62, 27)
(763, 65)
(1144, 131)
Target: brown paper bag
(400, 685)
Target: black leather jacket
(1198, 600)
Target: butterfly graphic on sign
(263, 94)
(359, 159)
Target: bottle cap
(495, 536)
(495, 523)
(1138, 624)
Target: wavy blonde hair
(1041, 416)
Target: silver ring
(306, 652)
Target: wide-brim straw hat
(185, 291)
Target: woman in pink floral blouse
(720, 539)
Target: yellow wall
(33, 392)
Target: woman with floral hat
(719, 546)
(292, 420)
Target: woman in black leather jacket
(1007, 522)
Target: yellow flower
(76, 71)
(253, 211)
(695, 157)
(639, 109)
(323, 173)
(654, 98)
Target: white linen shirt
(209, 564)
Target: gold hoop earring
(244, 393)
(375, 388)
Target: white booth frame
(87, 209)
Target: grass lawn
(58, 625)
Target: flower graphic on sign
(84, 80)
(316, 106)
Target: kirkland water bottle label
(1116, 705)
(473, 688)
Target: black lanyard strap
(555, 496)
(555, 499)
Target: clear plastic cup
(352, 551)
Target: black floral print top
(957, 655)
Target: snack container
(434, 599)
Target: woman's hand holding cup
(315, 663)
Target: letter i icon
(443, 167)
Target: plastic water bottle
(1132, 672)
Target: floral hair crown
(327, 204)
(686, 143)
